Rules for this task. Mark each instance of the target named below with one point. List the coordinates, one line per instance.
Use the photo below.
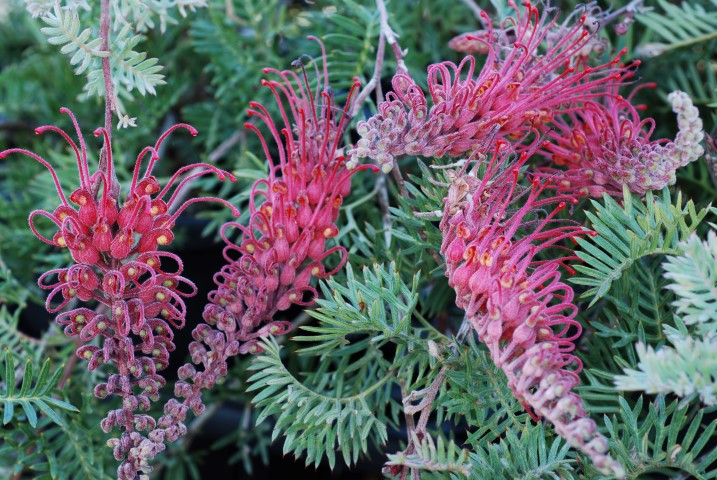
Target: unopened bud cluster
(606, 145)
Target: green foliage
(314, 424)
(525, 454)
(665, 440)
(477, 391)
(52, 452)
(688, 367)
(420, 233)
(372, 334)
(433, 457)
(677, 26)
(629, 232)
(636, 308)
(31, 397)
(682, 36)
(380, 305)
(250, 441)
(353, 31)
(11, 338)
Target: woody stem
(109, 97)
(105, 36)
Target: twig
(226, 145)
(230, 12)
(391, 37)
(114, 187)
(67, 372)
(382, 186)
(106, 71)
(375, 81)
(425, 406)
(632, 7)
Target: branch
(391, 37)
(109, 99)
(417, 431)
(375, 79)
(629, 9)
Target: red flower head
(517, 304)
(293, 211)
(519, 89)
(118, 266)
(292, 216)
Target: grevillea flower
(292, 215)
(606, 145)
(119, 268)
(517, 91)
(517, 304)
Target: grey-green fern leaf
(687, 369)
(131, 70)
(64, 30)
(694, 281)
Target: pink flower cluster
(516, 303)
(119, 268)
(606, 145)
(519, 90)
(292, 215)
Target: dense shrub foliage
(460, 239)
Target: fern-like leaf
(31, 398)
(477, 392)
(525, 455)
(630, 232)
(679, 25)
(699, 82)
(433, 456)
(380, 305)
(694, 281)
(665, 438)
(314, 424)
(687, 369)
(72, 451)
(131, 70)
(64, 30)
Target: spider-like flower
(292, 216)
(606, 145)
(519, 89)
(516, 303)
(119, 267)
